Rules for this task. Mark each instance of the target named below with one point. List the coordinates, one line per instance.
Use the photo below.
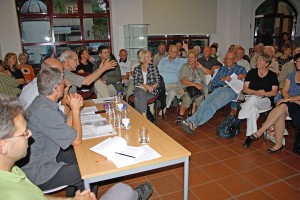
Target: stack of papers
(235, 84)
(93, 125)
(117, 150)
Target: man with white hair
(274, 66)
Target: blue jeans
(214, 101)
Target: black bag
(193, 92)
(229, 128)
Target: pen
(99, 111)
(122, 154)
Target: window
(49, 27)
(273, 17)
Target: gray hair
(10, 107)
(66, 54)
(47, 80)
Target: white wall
(124, 12)
(9, 31)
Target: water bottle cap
(119, 93)
(124, 106)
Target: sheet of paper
(117, 144)
(235, 84)
(88, 110)
(215, 73)
(90, 118)
(103, 100)
(88, 131)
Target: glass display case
(136, 37)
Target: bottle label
(126, 123)
(119, 106)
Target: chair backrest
(55, 189)
(162, 92)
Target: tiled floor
(223, 168)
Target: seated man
(240, 52)
(222, 94)
(14, 184)
(110, 81)
(69, 59)
(30, 91)
(168, 68)
(209, 62)
(160, 54)
(274, 66)
(51, 161)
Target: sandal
(272, 150)
(179, 120)
(188, 127)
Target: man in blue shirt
(222, 94)
(168, 68)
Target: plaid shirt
(152, 76)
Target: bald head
(53, 62)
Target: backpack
(229, 128)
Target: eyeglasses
(76, 60)
(26, 134)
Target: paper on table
(103, 100)
(88, 110)
(235, 84)
(91, 129)
(90, 118)
(117, 144)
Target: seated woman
(288, 106)
(262, 85)
(190, 75)
(10, 64)
(285, 57)
(8, 84)
(146, 81)
(26, 69)
(84, 64)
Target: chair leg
(162, 114)
(155, 110)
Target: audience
(257, 51)
(288, 106)
(8, 84)
(221, 95)
(69, 59)
(285, 57)
(30, 91)
(213, 53)
(262, 84)
(26, 69)
(110, 81)
(14, 184)
(160, 54)
(146, 81)
(274, 66)
(240, 52)
(85, 66)
(190, 74)
(125, 66)
(168, 68)
(286, 40)
(10, 64)
(209, 62)
(198, 51)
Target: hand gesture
(226, 78)
(260, 93)
(75, 101)
(281, 101)
(109, 64)
(240, 77)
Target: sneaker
(144, 191)
(188, 127)
(179, 120)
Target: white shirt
(125, 67)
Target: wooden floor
(222, 168)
